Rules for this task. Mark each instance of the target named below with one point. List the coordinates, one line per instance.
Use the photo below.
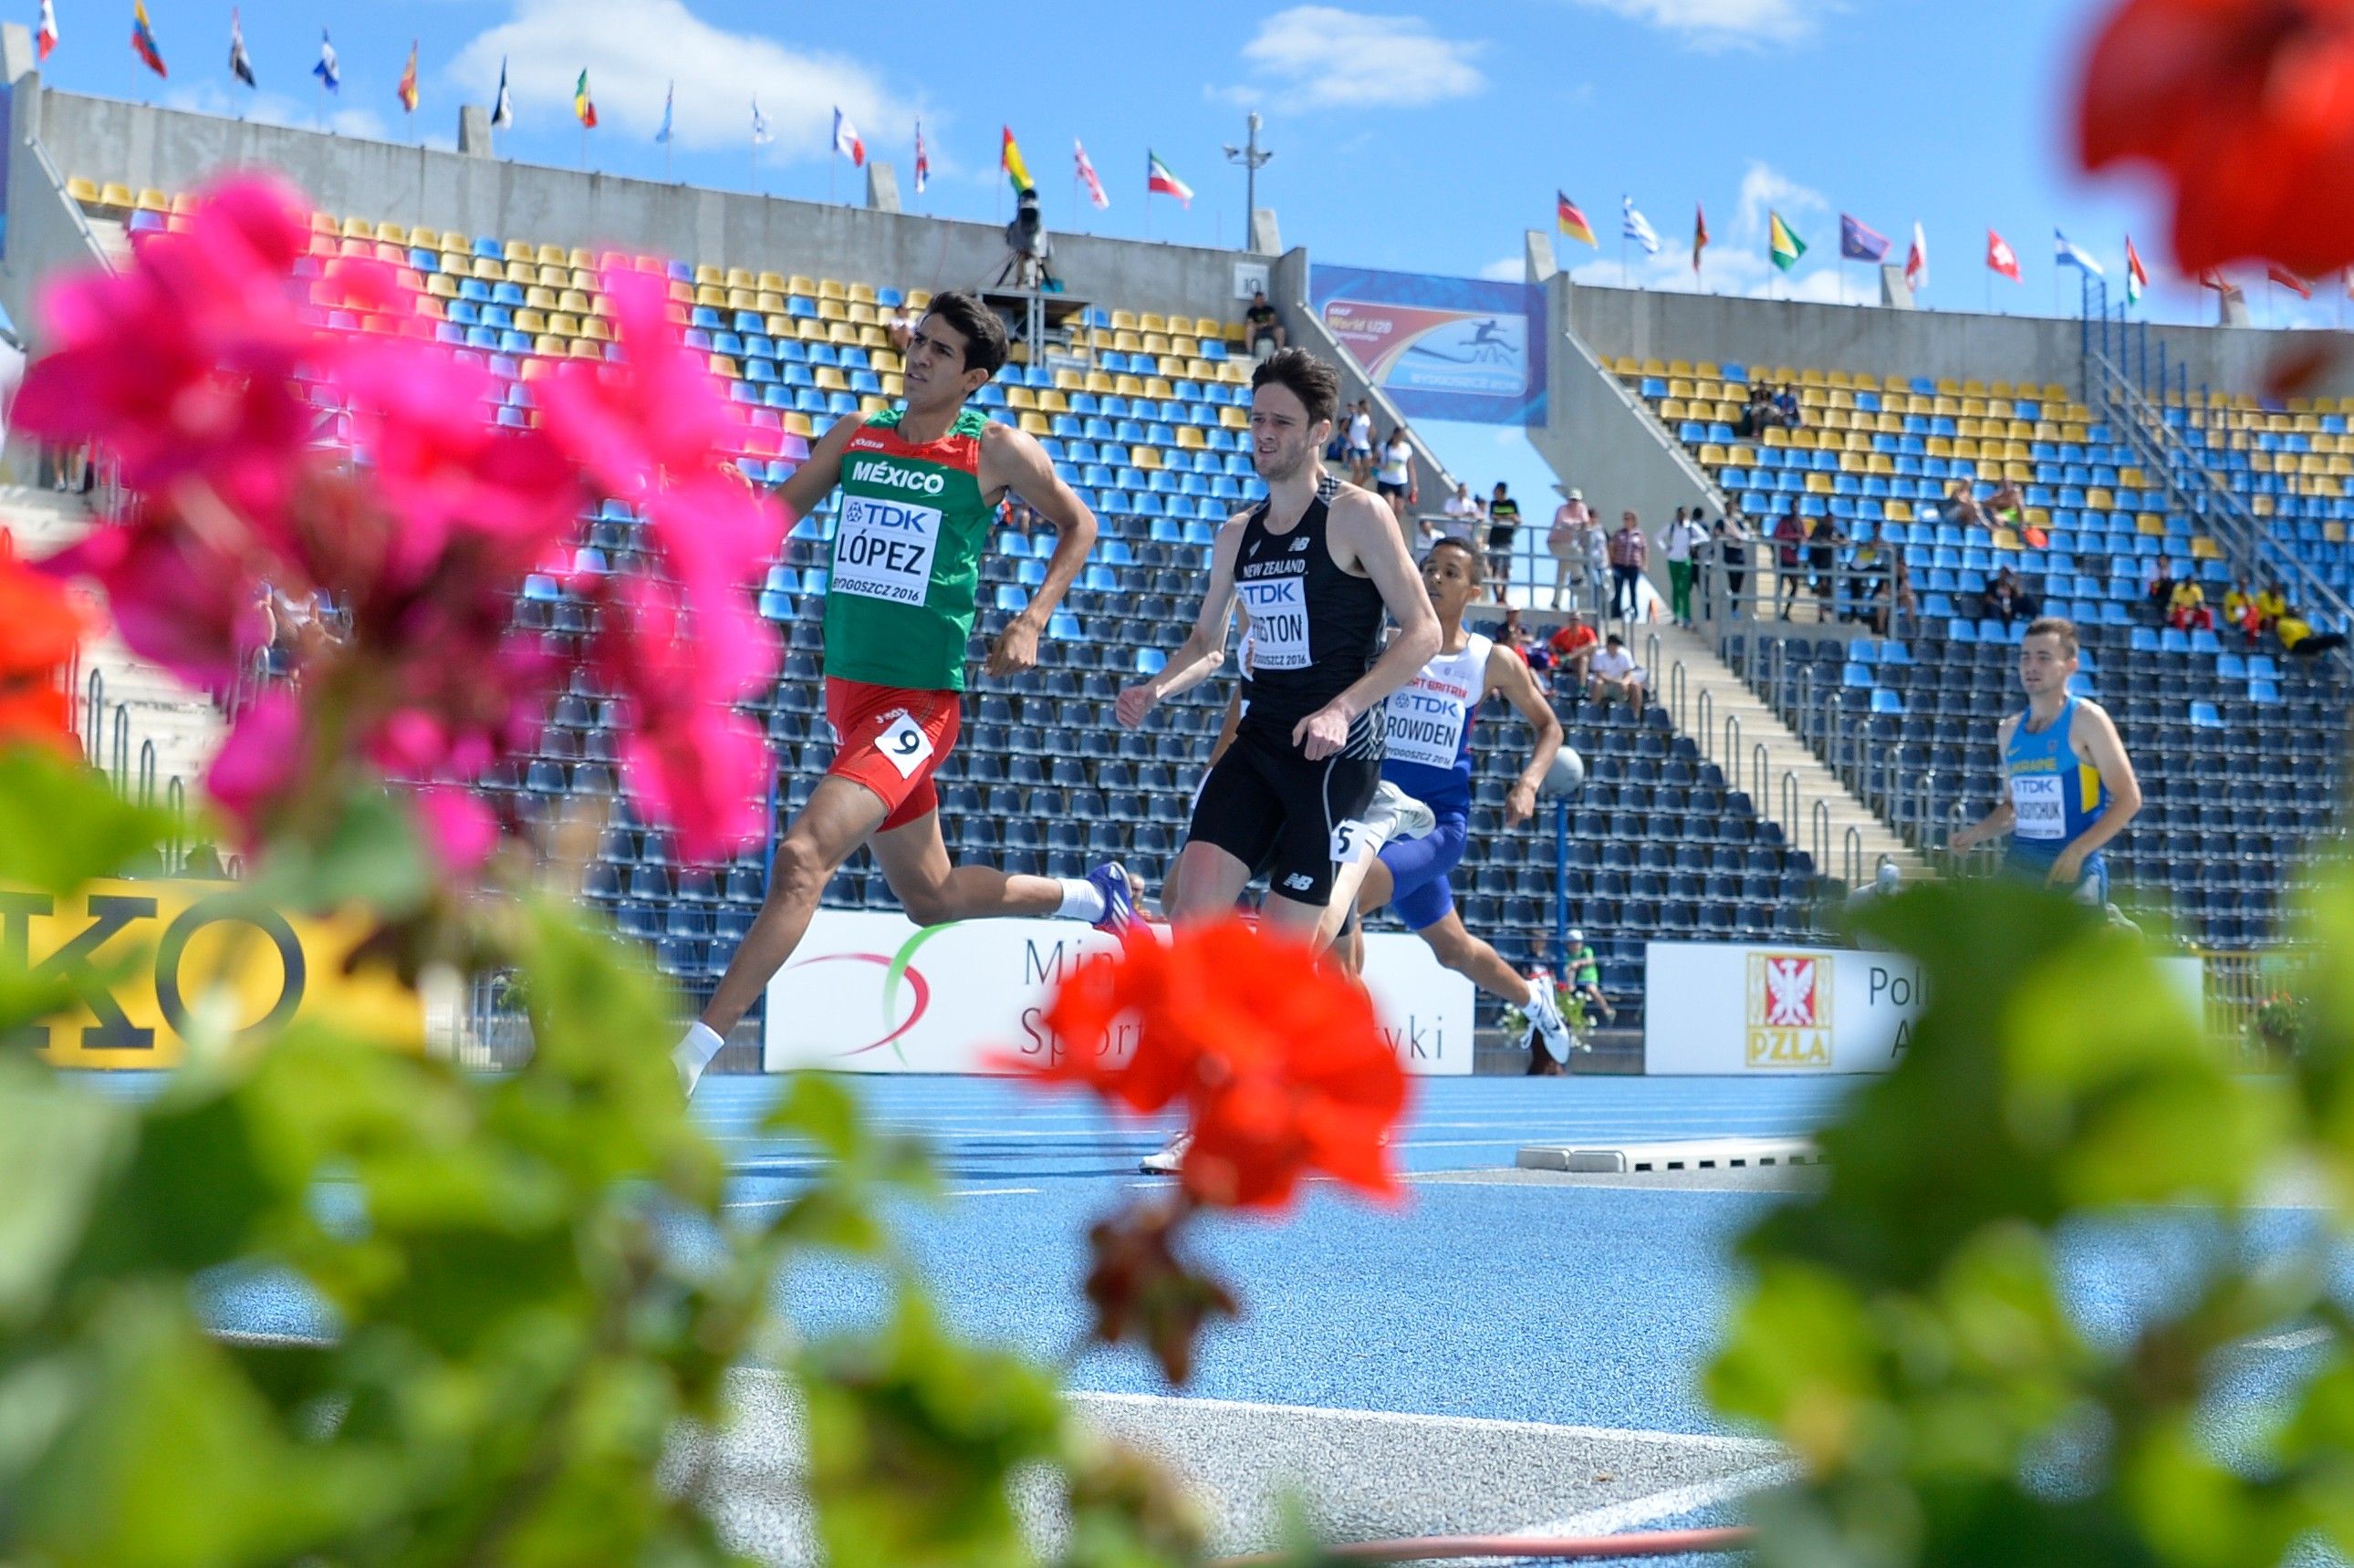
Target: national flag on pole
(2136, 276)
(1009, 158)
(670, 98)
(760, 135)
(2000, 257)
(2066, 253)
(142, 38)
(327, 71)
(2288, 280)
(1917, 260)
(1700, 234)
(408, 89)
(240, 64)
(923, 163)
(847, 142)
(584, 108)
(1636, 228)
(2209, 278)
(1858, 241)
(1088, 175)
(1157, 177)
(1782, 242)
(46, 38)
(1570, 222)
(501, 107)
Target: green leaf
(58, 1144)
(61, 826)
(373, 857)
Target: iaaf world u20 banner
(862, 995)
(1442, 348)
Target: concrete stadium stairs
(1717, 708)
(181, 723)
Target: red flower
(2247, 108)
(1278, 1059)
(40, 627)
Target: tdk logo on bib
(891, 476)
(1279, 621)
(884, 549)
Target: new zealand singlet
(1315, 628)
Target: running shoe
(1169, 1161)
(1395, 814)
(1119, 890)
(1545, 1018)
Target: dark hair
(2058, 626)
(1478, 562)
(1315, 383)
(983, 334)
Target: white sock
(1082, 900)
(1537, 994)
(700, 1046)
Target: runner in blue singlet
(2069, 785)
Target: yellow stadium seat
(841, 332)
(574, 300)
(864, 314)
(740, 278)
(1128, 386)
(832, 310)
(711, 294)
(2150, 523)
(832, 289)
(83, 189)
(1035, 424)
(539, 298)
(1190, 439)
(564, 325)
(1159, 387)
(1021, 397)
(1149, 321)
(708, 275)
(1051, 401)
(722, 364)
(585, 348)
(830, 378)
(351, 228)
(522, 273)
(1233, 419)
(596, 330)
(742, 299)
(771, 284)
(1128, 342)
(2099, 499)
(862, 293)
(1123, 321)
(547, 345)
(895, 384)
(2004, 539)
(441, 286)
(532, 322)
(768, 301)
(2203, 549)
(873, 337)
(1099, 382)
(805, 287)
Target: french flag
(847, 142)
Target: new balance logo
(1300, 542)
(1299, 882)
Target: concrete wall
(169, 150)
(1959, 344)
(47, 233)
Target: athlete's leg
(840, 816)
(1456, 948)
(933, 890)
(1204, 882)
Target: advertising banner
(181, 944)
(978, 989)
(1441, 348)
(1720, 1008)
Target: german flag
(1570, 221)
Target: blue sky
(1422, 137)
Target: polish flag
(1916, 262)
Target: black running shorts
(1269, 806)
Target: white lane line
(957, 1193)
(2295, 1339)
(1669, 1504)
(1757, 1446)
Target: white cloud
(1729, 269)
(1506, 269)
(279, 108)
(635, 49)
(1763, 188)
(1720, 23)
(1321, 56)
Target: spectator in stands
(1961, 508)
(1513, 635)
(1360, 443)
(1566, 541)
(1597, 562)
(1394, 479)
(2007, 600)
(1613, 675)
(1868, 586)
(1789, 535)
(1015, 517)
(1465, 514)
(2239, 611)
(1573, 645)
(2161, 589)
(1503, 527)
(1732, 540)
(204, 862)
(902, 327)
(1823, 542)
(2298, 640)
(1681, 542)
(1757, 416)
(1583, 975)
(2186, 608)
(2007, 507)
(1907, 607)
(294, 630)
(1260, 325)
(1787, 405)
(2271, 603)
(1628, 552)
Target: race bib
(884, 549)
(1351, 842)
(904, 745)
(2037, 810)
(1422, 726)
(1279, 620)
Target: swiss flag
(2000, 257)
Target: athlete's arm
(1509, 673)
(1363, 526)
(2093, 734)
(806, 488)
(1205, 648)
(1012, 460)
(1997, 822)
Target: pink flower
(659, 413)
(458, 826)
(258, 762)
(184, 362)
(181, 599)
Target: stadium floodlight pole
(1252, 157)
